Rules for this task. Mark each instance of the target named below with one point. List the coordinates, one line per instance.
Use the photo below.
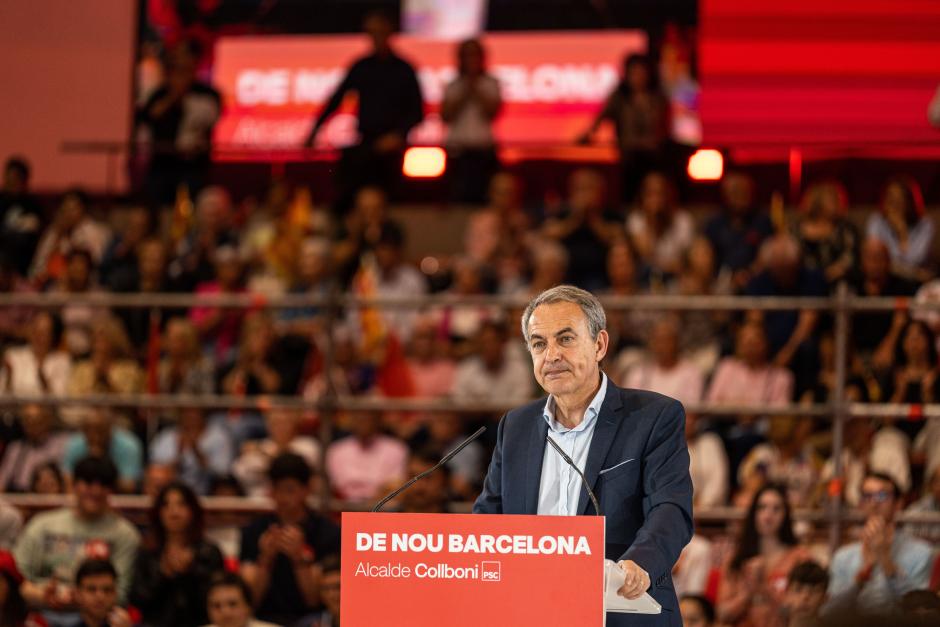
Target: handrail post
(836, 512)
(329, 400)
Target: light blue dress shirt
(560, 485)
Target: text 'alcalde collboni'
(459, 543)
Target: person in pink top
(362, 464)
(748, 378)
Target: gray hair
(592, 308)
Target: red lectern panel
(471, 570)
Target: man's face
(565, 357)
(805, 600)
(96, 596)
(379, 30)
(878, 499)
(97, 431)
(40, 337)
(91, 499)
(738, 193)
(228, 607)
(37, 422)
(664, 342)
(289, 495)
(151, 260)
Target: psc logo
(490, 571)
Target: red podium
(466, 570)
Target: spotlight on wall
(706, 165)
(424, 162)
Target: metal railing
(841, 306)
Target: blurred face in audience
(803, 600)
(47, 481)
(282, 426)
(228, 607)
(467, 279)
(621, 269)
(40, 335)
(692, 614)
(175, 515)
(213, 209)
(228, 272)
(664, 342)
(370, 205)
(96, 427)
(96, 596)
(71, 212)
(431, 493)
(388, 256)
(877, 499)
(586, 191)
(752, 345)
(379, 29)
(78, 272)
(876, 260)
(896, 205)
(312, 264)
(738, 192)
(180, 340)
(365, 425)
(423, 342)
(289, 496)
(192, 421)
(915, 343)
(470, 58)
(504, 192)
(492, 343)
(655, 197)
(151, 261)
(156, 477)
(444, 427)
(37, 422)
(91, 499)
(14, 182)
(138, 224)
(768, 516)
(565, 358)
(638, 76)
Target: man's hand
(118, 617)
(268, 545)
(637, 580)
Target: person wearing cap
(54, 543)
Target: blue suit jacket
(647, 502)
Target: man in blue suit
(629, 444)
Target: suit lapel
(535, 453)
(605, 430)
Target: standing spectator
(101, 438)
(471, 102)
(40, 367)
(874, 573)
(20, 215)
(753, 584)
(661, 233)
(40, 444)
(737, 232)
(807, 586)
(639, 111)
(361, 464)
(280, 551)
(587, 229)
(71, 229)
(77, 317)
(390, 105)
(172, 570)
(54, 543)
(180, 115)
(96, 595)
(360, 230)
(229, 603)
(252, 466)
(183, 368)
(666, 371)
(904, 227)
(199, 451)
(828, 241)
(493, 373)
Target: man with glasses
(873, 574)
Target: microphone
(570, 462)
(424, 474)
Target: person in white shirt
(666, 371)
(251, 467)
(492, 374)
(708, 465)
(39, 367)
(471, 102)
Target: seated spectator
(587, 228)
(739, 230)
(40, 445)
(280, 551)
(748, 378)
(790, 334)
(47, 479)
(874, 573)
(461, 322)
(442, 432)
(787, 459)
(330, 593)
(20, 215)
(629, 328)
(100, 437)
(904, 227)
(696, 611)
(660, 231)
(77, 317)
(432, 493)
(708, 465)
(868, 447)
(193, 260)
(927, 504)
(282, 424)
(549, 261)
(875, 333)
(226, 531)
(806, 593)
(156, 477)
(753, 583)
(119, 265)
(860, 384)
(313, 277)
(690, 574)
(492, 374)
(183, 368)
(199, 450)
(96, 595)
(264, 363)
(229, 603)
(828, 241)
(665, 371)
(14, 319)
(173, 568)
(219, 327)
(352, 372)
(432, 370)
(915, 371)
(54, 543)
(13, 609)
(71, 229)
(361, 230)
(363, 463)
(110, 368)
(500, 227)
(39, 367)
(11, 523)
